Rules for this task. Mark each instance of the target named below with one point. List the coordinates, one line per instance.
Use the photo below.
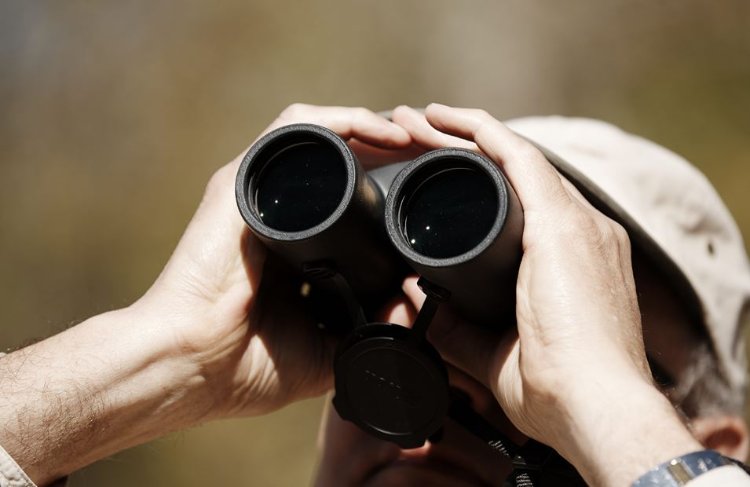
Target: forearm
(104, 385)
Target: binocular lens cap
(391, 384)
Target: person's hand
(255, 354)
(220, 333)
(575, 374)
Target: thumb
(399, 311)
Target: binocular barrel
(451, 214)
(454, 217)
(303, 193)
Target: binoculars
(450, 215)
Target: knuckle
(620, 233)
(218, 181)
(401, 108)
(576, 226)
(483, 115)
(295, 111)
(611, 238)
(525, 151)
(610, 232)
(585, 221)
(482, 119)
(606, 234)
(359, 114)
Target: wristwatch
(681, 470)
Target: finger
(424, 134)
(359, 123)
(462, 344)
(399, 311)
(218, 230)
(371, 157)
(535, 180)
(412, 291)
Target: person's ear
(726, 434)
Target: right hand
(575, 374)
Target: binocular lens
(450, 212)
(300, 186)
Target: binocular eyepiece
(450, 215)
(453, 216)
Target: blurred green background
(113, 115)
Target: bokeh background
(114, 114)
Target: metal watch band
(681, 470)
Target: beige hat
(671, 212)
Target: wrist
(187, 382)
(616, 434)
(201, 351)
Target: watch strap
(681, 470)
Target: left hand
(218, 334)
(256, 355)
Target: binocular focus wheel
(392, 384)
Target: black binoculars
(450, 215)
(352, 235)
